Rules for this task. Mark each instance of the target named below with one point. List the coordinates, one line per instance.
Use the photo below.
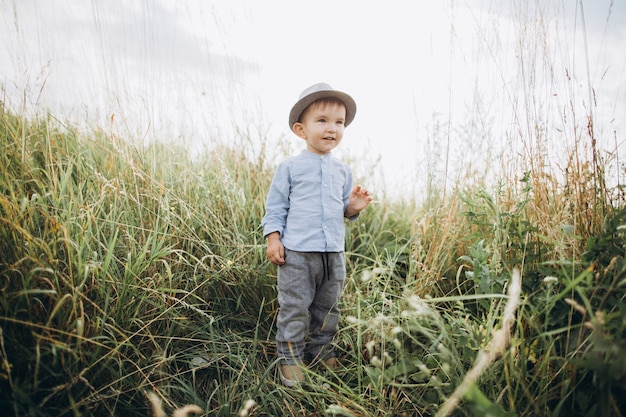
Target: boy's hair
(322, 102)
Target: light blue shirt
(307, 201)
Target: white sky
(457, 81)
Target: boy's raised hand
(359, 199)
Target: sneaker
(291, 375)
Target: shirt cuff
(353, 218)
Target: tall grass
(132, 274)
(134, 278)
(114, 262)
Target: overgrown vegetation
(129, 271)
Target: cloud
(135, 37)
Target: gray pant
(309, 287)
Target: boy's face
(322, 127)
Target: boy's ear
(298, 129)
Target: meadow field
(133, 273)
(134, 282)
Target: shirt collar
(310, 154)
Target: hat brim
(304, 102)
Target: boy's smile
(322, 126)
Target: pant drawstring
(325, 265)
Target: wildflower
(369, 274)
(80, 327)
(397, 343)
(366, 275)
(186, 410)
(379, 320)
(550, 280)
(424, 369)
(417, 304)
(352, 320)
(600, 317)
(157, 407)
(247, 407)
(376, 362)
(335, 409)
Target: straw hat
(316, 92)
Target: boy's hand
(359, 199)
(275, 250)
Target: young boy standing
(309, 198)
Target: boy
(308, 199)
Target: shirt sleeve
(347, 188)
(277, 202)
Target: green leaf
(481, 406)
